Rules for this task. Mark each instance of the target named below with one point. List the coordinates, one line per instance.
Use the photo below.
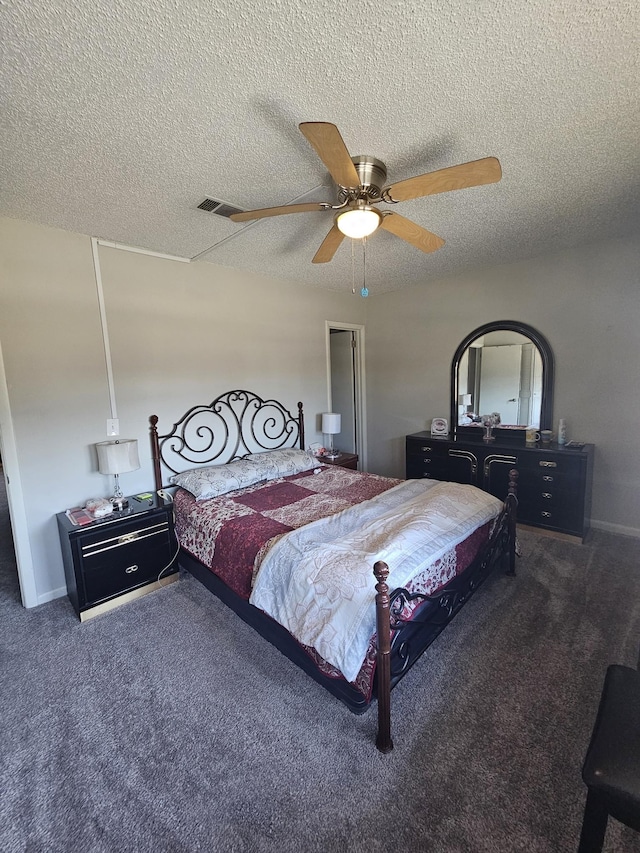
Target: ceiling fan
(361, 184)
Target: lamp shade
(464, 399)
(118, 457)
(331, 423)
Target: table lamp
(330, 427)
(118, 457)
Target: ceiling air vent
(220, 208)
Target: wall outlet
(113, 426)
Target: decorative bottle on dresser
(562, 431)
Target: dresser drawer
(436, 449)
(419, 467)
(555, 465)
(561, 510)
(435, 461)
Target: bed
(349, 574)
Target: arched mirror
(504, 367)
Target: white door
(500, 382)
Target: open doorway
(14, 528)
(346, 386)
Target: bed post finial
(383, 656)
(155, 451)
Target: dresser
(554, 483)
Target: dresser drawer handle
(425, 449)
(547, 495)
(545, 464)
(427, 461)
(547, 478)
(130, 570)
(545, 514)
(426, 475)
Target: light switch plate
(113, 426)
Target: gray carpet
(168, 725)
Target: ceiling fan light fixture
(358, 222)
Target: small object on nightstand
(115, 559)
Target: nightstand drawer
(112, 567)
(115, 564)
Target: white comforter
(317, 581)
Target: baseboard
(60, 592)
(621, 529)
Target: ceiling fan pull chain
(353, 267)
(365, 290)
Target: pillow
(283, 463)
(205, 483)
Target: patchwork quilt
(248, 531)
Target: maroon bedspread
(230, 533)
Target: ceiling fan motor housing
(372, 174)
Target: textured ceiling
(118, 118)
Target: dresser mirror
(504, 367)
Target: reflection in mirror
(500, 372)
(506, 368)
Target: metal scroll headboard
(232, 426)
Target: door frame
(359, 382)
(15, 496)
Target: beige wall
(586, 302)
(184, 333)
(180, 334)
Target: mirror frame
(546, 355)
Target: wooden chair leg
(594, 824)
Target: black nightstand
(118, 558)
(344, 460)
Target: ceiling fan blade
(278, 211)
(330, 148)
(474, 174)
(329, 246)
(412, 233)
